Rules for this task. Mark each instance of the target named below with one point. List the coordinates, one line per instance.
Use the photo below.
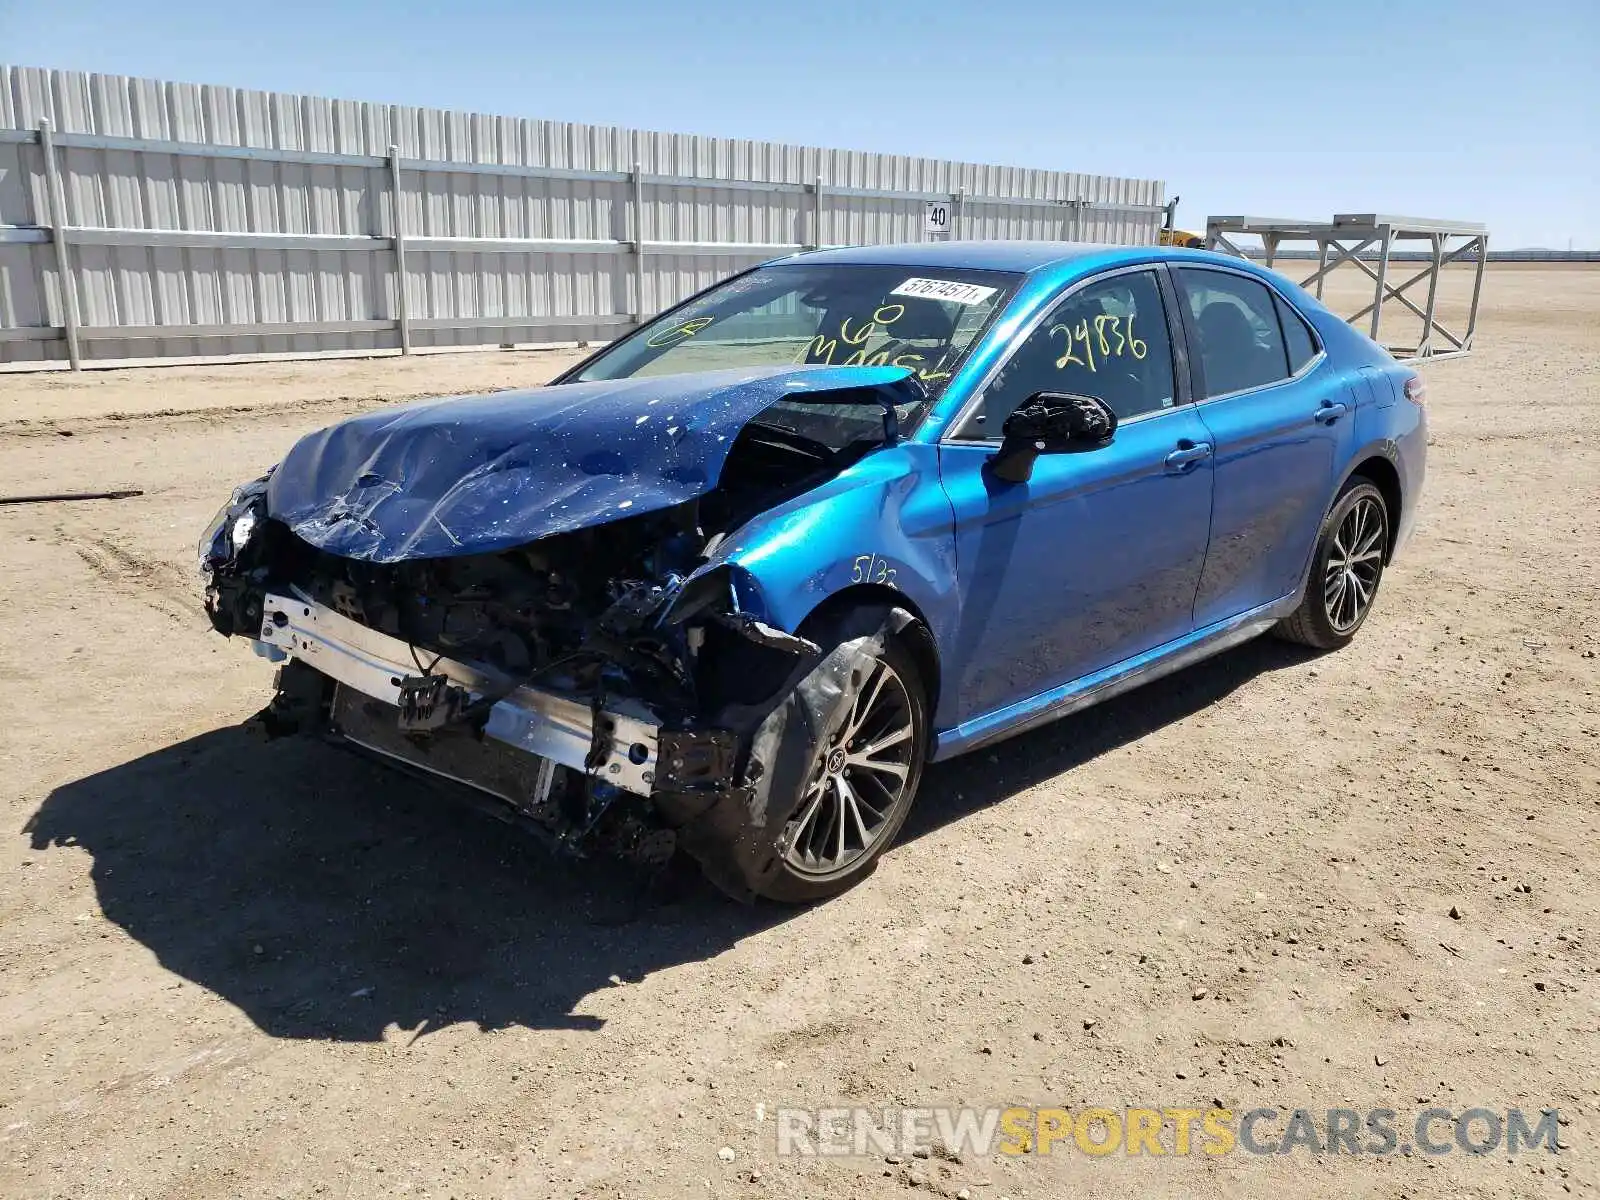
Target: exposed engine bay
(605, 683)
(577, 599)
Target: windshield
(922, 318)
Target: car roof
(1048, 265)
(992, 256)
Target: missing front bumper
(619, 744)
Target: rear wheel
(862, 779)
(1345, 571)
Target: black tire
(1333, 609)
(790, 881)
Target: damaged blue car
(729, 584)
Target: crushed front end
(605, 682)
(592, 682)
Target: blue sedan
(727, 586)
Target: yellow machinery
(1178, 237)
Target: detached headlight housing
(243, 526)
(236, 523)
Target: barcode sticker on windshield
(945, 289)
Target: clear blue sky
(1267, 107)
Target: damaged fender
(876, 527)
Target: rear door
(1281, 421)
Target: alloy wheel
(858, 781)
(1355, 562)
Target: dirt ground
(232, 969)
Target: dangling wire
(426, 670)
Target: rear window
(1239, 334)
(1297, 337)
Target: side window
(1297, 337)
(1108, 340)
(1236, 325)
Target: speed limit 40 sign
(936, 216)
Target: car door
(1096, 557)
(1281, 421)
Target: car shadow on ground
(329, 897)
(953, 789)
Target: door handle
(1186, 455)
(1330, 411)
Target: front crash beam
(620, 744)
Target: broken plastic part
(429, 702)
(763, 634)
(298, 705)
(735, 834)
(695, 760)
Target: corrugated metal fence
(189, 220)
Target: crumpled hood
(475, 474)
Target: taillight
(1416, 389)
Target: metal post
(1425, 347)
(1079, 204)
(816, 215)
(958, 200)
(638, 243)
(1382, 279)
(402, 301)
(56, 199)
(1322, 264)
(1477, 290)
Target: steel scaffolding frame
(1348, 237)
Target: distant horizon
(1275, 115)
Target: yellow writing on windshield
(917, 364)
(882, 318)
(671, 337)
(821, 349)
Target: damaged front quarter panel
(880, 531)
(872, 548)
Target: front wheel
(860, 783)
(1346, 569)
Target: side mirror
(1051, 423)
